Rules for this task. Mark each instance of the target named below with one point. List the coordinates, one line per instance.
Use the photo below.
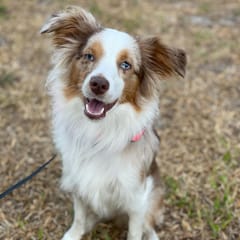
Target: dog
(104, 86)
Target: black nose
(99, 85)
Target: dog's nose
(99, 85)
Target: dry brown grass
(200, 128)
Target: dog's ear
(159, 59)
(73, 24)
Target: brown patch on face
(131, 81)
(97, 50)
(72, 89)
(80, 69)
(131, 90)
(123, 56)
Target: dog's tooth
(102, 110)
(87, 108)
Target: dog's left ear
(159, 59)
(71, 25)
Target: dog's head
(108, 67)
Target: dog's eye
(125, 65)
(89, 57)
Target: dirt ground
(199, 155)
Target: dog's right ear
(71, 26)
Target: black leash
(26, 179)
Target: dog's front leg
(135, 226)
(78, 228)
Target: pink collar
(138, 136)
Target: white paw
(134, 237)
(69, 235)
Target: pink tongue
(95, 106)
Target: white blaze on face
(112, 43)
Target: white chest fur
(100, 163)
(103, 183)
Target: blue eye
(89, 57)
(125, 65)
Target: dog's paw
(69, 235)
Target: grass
(217, 212)
(128, 24)
(236, 12)
(106, 236)
(179, 198)
(95, 9)
(203, 36)
(21, 223)
(40, 234)
(7, 78)
(227, 157)
(205, 7)
(219, 215)
(103, 234)
(3, 12)
(131, 24)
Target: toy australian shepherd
(104, 89)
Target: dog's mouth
(95, 109)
